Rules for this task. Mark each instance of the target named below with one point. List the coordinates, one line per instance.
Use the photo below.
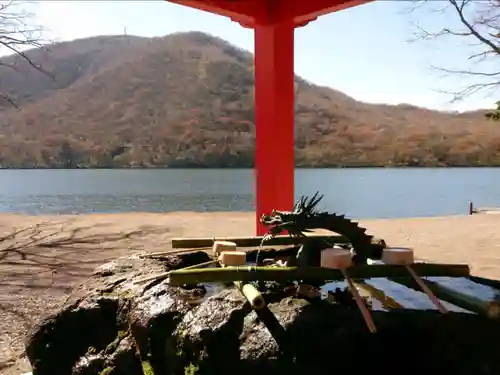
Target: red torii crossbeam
(274, 22)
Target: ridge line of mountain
(186, 100)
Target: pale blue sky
(362, 51)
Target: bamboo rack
(250, 273)
(178, 243)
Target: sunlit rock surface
(114, 326)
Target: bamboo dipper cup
(220, 246)
(341, 259)
(403, 256)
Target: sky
(362, 51)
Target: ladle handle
(361, 305)
(426, 290)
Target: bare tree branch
(9, 100)
(466, 72)
(477, 22)
(17, 34)
(471, 90)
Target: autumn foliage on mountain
(186, 100)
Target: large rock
(114, 326)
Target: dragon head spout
(304, 217)
(294, 221)
(274, 222)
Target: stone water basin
(468, 292)
(115, 326)
(406, 297)
(410, 298)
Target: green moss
(181, 333)
(147, 369)
(191, 369)
(113, 345)
(108, 371)
(122, 334)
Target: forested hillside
(186, 100)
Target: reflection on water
(411, 299)
(466, 287)
(407, 297)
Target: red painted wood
(265, 12)
(274, 118)
(274, 22)
(301, 12)
(242, 11)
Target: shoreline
(463, 238)
(187, 212)
(197, 224)
(246, 214)
(252, 168)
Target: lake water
(360, 193)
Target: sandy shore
(35, 280)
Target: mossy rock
(157, 331)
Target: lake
(360, 193)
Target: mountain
(186, 100)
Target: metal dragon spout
(305, 216)
(295, 222)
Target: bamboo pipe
(248, 291)
(253, 296)
(177, 252)
(251, 241)
(167, 274)
(250, 273)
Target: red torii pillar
(274, 22)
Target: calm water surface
(360, 193)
